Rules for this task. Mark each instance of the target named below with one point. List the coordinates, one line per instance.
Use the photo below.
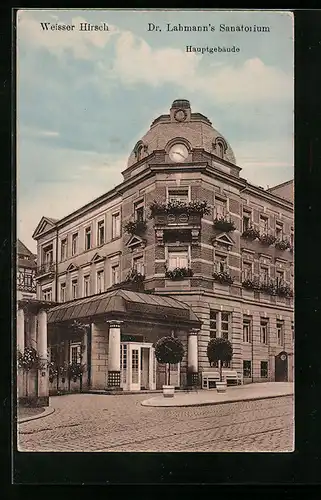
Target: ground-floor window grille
(264, 369)
(247, 369)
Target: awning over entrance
(125, 304)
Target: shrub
(170, 351)
(219, 349)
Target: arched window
(220, 149)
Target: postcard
(155, 231)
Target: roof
(23, 250)
(197, 130)
(280, 185)
(125, 303)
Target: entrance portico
(124, 326)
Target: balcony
(269, 286)
(224, 223)
(222, 275)
(45, 269)
(26, 281)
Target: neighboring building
(32, 385)
(237, 260)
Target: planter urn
(221, 386)
(168, 391)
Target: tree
(219, 350)
(170, 351)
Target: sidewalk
(25, 413)
(233, 394)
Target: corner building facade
(183, 246)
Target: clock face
(178, 153)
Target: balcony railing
(26, 282)
(47, 268)
(271, 286)
(178, 220)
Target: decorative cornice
(114, 323)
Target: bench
(209, 379)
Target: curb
(48, 411)
(210, 403)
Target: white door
(152, 369)
(175, 375)
(124, 366)
(134, 360)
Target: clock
(178, 153)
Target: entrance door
(144, 368)
(134, 367)
(281, 367)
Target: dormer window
(220, 147)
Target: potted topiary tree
(169, 351)
(219, 350)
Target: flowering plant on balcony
(267, 287)
(179, 273)
(267, 239)
(284, 290)
(223, 224)
(282, 244)
(251, 234)
(223, 277)
(135, 226)
(134, 276)
(75, 371)
(29, 359)
(251, 284)
(178, 206)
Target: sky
(85, 98)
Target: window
(47, 294)
(292, 330)
(280, 332)
(247, 270)
(247, 329)
(247, 369)
(116, 225)
(246, 221)
(279, 230)
(100, 282)
(279, 277)
(220, 208)
(178, 195)
(264, 223)
(213, 324)
(139, 211)
(264, 369)
(177, 259)
(225, 317)
(115, 274)
(264, 327)
(138, 265)
(139, 152)
(74, 244)
(219, 324)
(265, 274)
(63, 249)
(48, 255)
(221, 264)
(74, 288)
(87, 285)
(220, 149)
(292, 238)
(87, 238)
(75, 353)
(101, 232)
(63, 292)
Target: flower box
(251, 234)
(135, 226)
(179, 273)
(223, 277)
(267, 239)
(284, 291)
(251, 284)
(282, 245)
(224, 224)
(178, 207)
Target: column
(84, 357)
(43, 379)
(114, 354)
(33, 331)
(192, 358)
(20, 330)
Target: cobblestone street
(87, 422)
